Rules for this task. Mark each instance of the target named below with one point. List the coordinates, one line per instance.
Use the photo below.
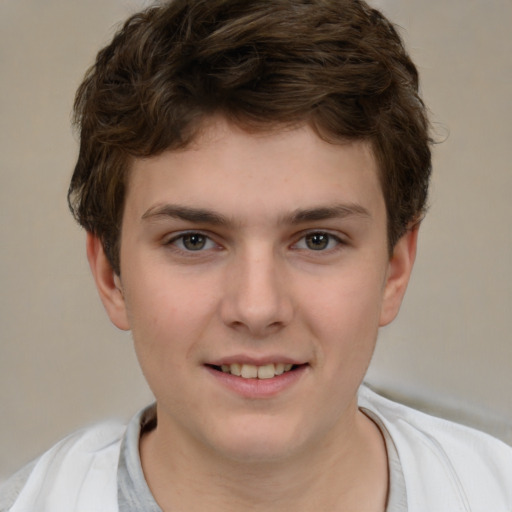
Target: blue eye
(193, 242)
(318, 241)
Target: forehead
(238, 172)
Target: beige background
(62, 365)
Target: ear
(107, 282)
(399, 271)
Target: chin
(259, 440)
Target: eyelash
(178, 242)
(330, 239)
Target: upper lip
(256, 361)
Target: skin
(263, 287)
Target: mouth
(251, 371)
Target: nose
(256, 296)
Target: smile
(258, 381)
(251, 371)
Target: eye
(192, 242)
(318, 241)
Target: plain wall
(62, 365)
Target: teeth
(279, 368)
(266, 372)
(235, 369)
(251, 371)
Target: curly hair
(338, 65)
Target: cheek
(162, 336)
(167, 315)
(344, 314)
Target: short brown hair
(338, 65)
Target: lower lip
(259, 388)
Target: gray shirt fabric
(397, 494)
(133, 492)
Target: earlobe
(108, 283)
(399, 271)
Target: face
(255, 274)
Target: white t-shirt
(435, 466)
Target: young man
(251, 177)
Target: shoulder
(442, 460)
(86, 458)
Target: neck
(347, 472)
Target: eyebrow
(187, 213)
(299, 216)
(337, 211)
